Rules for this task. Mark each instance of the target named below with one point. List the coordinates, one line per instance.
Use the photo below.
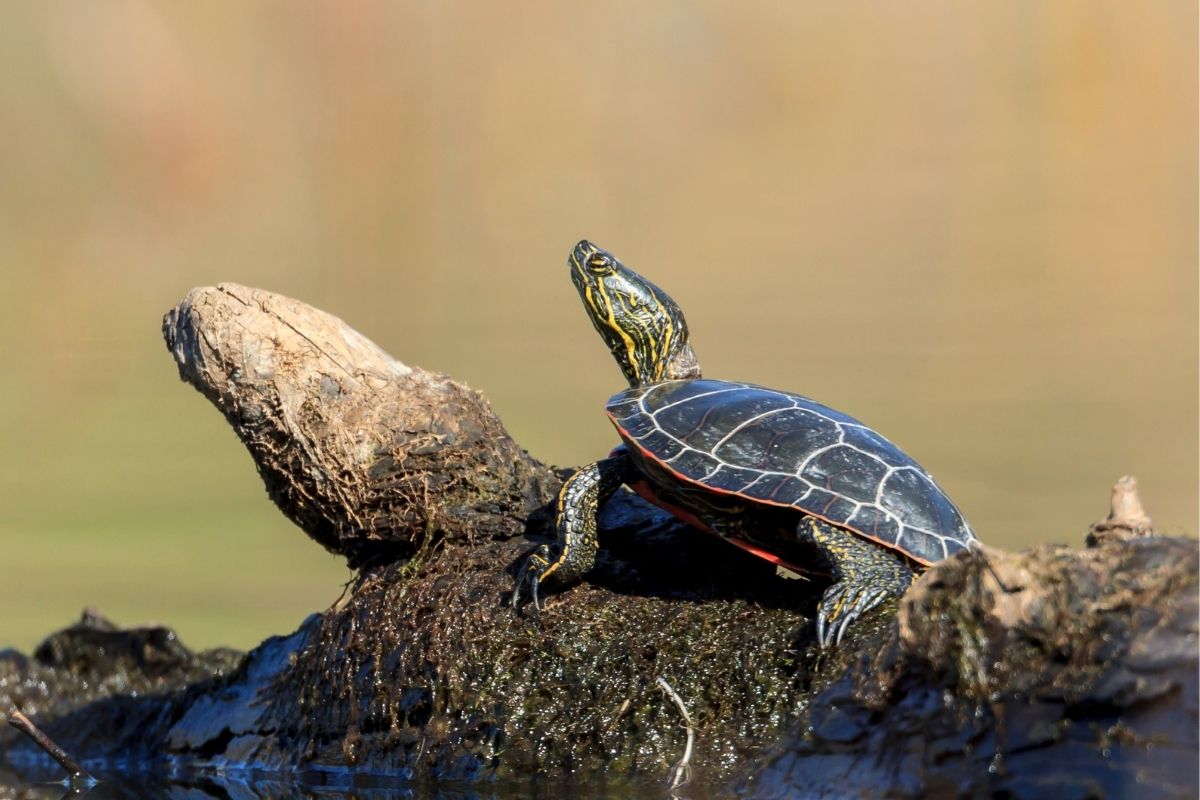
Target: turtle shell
(782, 449)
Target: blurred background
(973, 226)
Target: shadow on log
(1012, 674)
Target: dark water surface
(260, 786)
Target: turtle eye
(599, 264)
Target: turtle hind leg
(865, 576)
(573, 555)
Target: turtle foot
(842, 604)
(865, 574)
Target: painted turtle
(761, 467)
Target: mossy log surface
(1018, 674)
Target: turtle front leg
(573, 555)
(865, 575)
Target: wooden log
(1013, 674)
(383, 462)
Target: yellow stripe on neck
(611, 321)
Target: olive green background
(972, 225)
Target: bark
(1052, 670)
(371, 458)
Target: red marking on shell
(647, 493)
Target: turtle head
(640, 323)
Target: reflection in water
(332, 786)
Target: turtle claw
(841, 628)
(531, 574)
(526, 577)
(840, 606)
(829, 614)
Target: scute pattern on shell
(784, 449)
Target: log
(1010, 673)
(373, 459)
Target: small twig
(344, 598)
(25, 725)
(625, 706)
(683, 771)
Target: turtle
(763, 468)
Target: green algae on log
(1013, 674)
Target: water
(251, 785)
